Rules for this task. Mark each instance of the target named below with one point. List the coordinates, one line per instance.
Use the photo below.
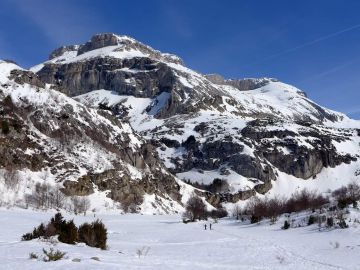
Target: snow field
(174, 245)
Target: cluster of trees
(45, 196)
(92, 234)
(272, 208)
(331, 210)
(195, 209)
(347, 195)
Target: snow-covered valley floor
(174, 245)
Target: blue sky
(314, 45)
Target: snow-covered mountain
(139, 121)
(50, 137)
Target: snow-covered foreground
(174, 245)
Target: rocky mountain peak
(104, 40)
(241, 84)
(60, 51)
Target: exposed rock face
(99, 41)
(241, 84)
(147, 75)
(60, 51)
(15, 141)
(111, 73)
(211, 155)
(43, 129)
(301, 161)
(140, 77)
(24, 76)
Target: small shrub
(100, 232)
(195, 209)
(85, 233)
(36, 233)
(330, 222)
(57, 221)
(355, 204)
(39, 231)
(50, 230)
(68, 233)
(286, 225)
(347, 195)
(342, 224)
(143, 251)
(32, 256)
(344, 202)
(236, 212)
(94, 234)
(311, 220)
(27, 237)
(254, 219)
(218, 213)
(52, 255)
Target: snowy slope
(174, 245)
(225, 111)
(65, 141)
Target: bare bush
(93, 234)
(354, 191)
(142, 252)
(304, 200)
(195, 209)
(11, 178)
(265, 208)
(46, 196)
(347, 195)
(272, 208)
(58, 198)
(52, 255)
(220, 212)
(236, 211)
(39, 197)
(80, 204)
(131, 202)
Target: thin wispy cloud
(307, 44)
(332, 70)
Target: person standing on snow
(210, 226)
(205, 226)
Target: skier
(210, 226)
(205, 226)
